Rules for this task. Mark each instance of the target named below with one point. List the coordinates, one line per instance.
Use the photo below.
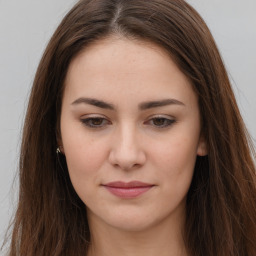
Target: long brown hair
(221, 203)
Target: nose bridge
(127, 151)
(126, 138)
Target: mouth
(131, 189)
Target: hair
(221, 202)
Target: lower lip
(132, 192)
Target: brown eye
(161, 122)
(95, 122)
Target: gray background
(25, 28)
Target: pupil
(96, 121)
(159, 121)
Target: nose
(127, 152)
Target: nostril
(127, 160)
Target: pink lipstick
(131, 189)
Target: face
(130, 131)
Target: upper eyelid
(148, 118)
(170, 120)
(92, 116)
(161, 116)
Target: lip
(130, 189)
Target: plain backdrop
(26, 27)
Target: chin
(132, 226)
(132, 222)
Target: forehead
(118, 66)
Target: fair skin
(142, 125)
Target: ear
(61, 149)
(59, 143)
(202, 149)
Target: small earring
(58, 150)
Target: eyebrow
(159, 103)
(94, 102)
(142, 106)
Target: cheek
(175, 162)
(81, 150)
(177, 166)
(84, 167)
(85, 157)
(176, 152)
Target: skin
(156, 145)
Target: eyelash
(89, 122)
(166, 122)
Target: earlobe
(60, 147)
(62, 150)
(202, 149)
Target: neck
(164, 240)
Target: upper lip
(131, 184)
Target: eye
(95, 122)
(160, 122)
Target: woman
(133, 143)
